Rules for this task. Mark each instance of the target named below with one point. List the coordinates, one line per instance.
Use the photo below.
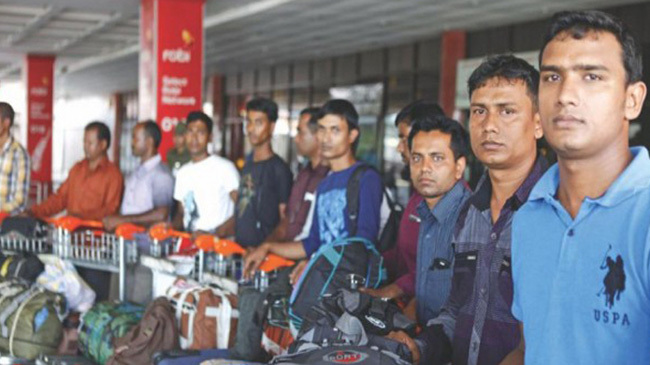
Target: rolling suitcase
(188, 357)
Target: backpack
(390, 220)
(343, 342)
(156, 332)
(335, 265)
(102, 324)
(206, 316)
(30, 320)
(25, 266)
(25, 227)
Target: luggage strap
(11, 308)
(186, 342)
(15, 324)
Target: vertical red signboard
(39, 77)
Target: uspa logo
(345, 357)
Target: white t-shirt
(204, 190)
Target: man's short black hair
(459, 137)
(313, 118)
(507, 67)
(419, 106)
(152, 130)
(103, 132)
(344, 109)
(7, 112)
(199, 116)
(576, 24)
(264, 105)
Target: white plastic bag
(61, 277)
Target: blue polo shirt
(582, 286)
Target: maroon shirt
(401, 259)
(302, 196)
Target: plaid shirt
(14, 177)
(476, 325)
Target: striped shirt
(14, 177)
(476, 325)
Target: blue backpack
(332, 267)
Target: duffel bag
(102, 324)
(360, 355)
(30, 320)
(156, 332)
(206, 316)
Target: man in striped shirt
(14, 166)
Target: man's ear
(461, 163)
(354, 134)
(537, 120)
(634, 96)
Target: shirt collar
(481, 198)
(636, 176)
(7, 145)
(151, 163)
(450, 200)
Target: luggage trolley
(12, 242)
(86, 244)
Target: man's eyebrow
(578, 67)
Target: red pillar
(39, 78)
(171, 63)
(452, 50)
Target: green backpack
(103, 323)
(30, 320)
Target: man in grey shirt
(148, 190)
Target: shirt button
(571, 233)
(493, 236)
(483, 291)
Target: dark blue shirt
(435, 252)
(330, 221)
(476, 322)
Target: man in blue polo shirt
(581, 248)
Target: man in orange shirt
(93, 189)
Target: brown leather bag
(207, 317)
(157, 331)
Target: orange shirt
(86, 194)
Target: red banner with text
(179, 71)
(39, 75)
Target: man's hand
(403, 338)
(296, 273)
(254, 259)
(391, 291)
(111, 222)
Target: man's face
(197, 137)
(306, 141)
(179, 141)
(138, 141)
(434, 171)
(503, 123)
(585, 104)
(5, 125)
(94, 148)
(258, 127)
(403, 130)
(334, 136)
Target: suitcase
(188, 357)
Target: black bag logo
(614, 282)
(345, 357)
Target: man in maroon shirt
(401, 259)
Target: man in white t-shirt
(206, 187)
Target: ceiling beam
(8, 70)
(33, 25)
(242, 12)
(99, 27)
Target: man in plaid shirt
(14, 166)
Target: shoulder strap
(352, 197)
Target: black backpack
(388, 235)
(27, 227)
(25, 266)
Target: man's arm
(516, 357)
(288, 250)
(145, 219)
(177, 219)
(227, 228)
(280, 231)
(55, 203)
